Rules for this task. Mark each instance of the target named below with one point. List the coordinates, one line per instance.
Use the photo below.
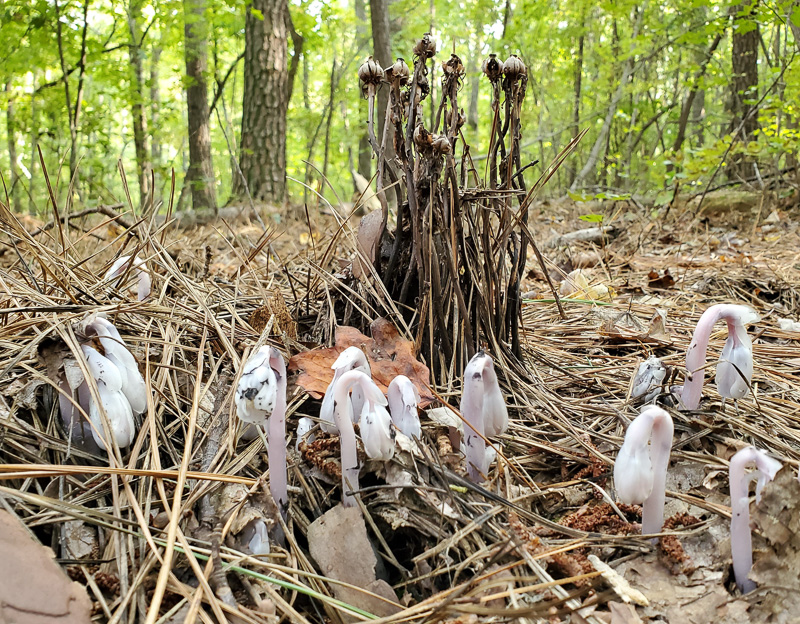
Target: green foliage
(668, 57)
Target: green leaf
(257, 14)
(592, 218)
(580, 197)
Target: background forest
(671, 92)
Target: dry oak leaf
(388, 353)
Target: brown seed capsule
(400, 72)
(426, 47)
(493, 67)
(441, 144)
(514, 68)
(422, 138)
(453, 66)
(370, 72)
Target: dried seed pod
(514, 68)
(453, 66)
(370, 72)
(399, 71)
(441, 144)
(459, 116)
(426, 47)
(493, 67)
(422, 138)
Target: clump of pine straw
(567, 418)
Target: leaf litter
(517, 547)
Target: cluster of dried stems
(457, 256)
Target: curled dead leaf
(389, 355)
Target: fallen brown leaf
(388, 353)
(663, 281)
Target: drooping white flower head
(304, 426)
(484, 411)
(114, 403)
(377, 431)
(403, 402)
(352, 358)
(133, 386)
(121, 265)
(737, 353)
(640, 471)
(257, 391)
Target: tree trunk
(364, 149)
(137, 99)
(155, 105)
(576, 102)
(744, 57)
(201, 172)
(688, 104)
(11, 132)
(475, 73)
(34, 143)
(265, 102)
(382, 52)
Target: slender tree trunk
(155, 105)
(201, 171)
(11, 132)
(382, 52)
(474, 71)
(135, 54)
(265, 102)
(744, 61)
(688, 104)
(34, 143)
(578, 84)
(364, 149)
(600, 142)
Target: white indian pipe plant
(484, 411)
(403, 401)
(377, 431)
(735, 367)
(261, 401)
(120, 388)
(122, 264)
(741, 540)
(640, 471)
(352, 358)
(351, 380)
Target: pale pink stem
(347, 435)
(696, 356)
(660, 447)
(277, 435)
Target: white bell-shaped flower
(352, 358)
(484, 411)
(304, 427)
(116, 350)
(118, 411)
(257, 391)
(735, 367)
(403, 401)
(377, 431)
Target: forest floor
(159, 531)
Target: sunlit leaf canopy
(576, 52)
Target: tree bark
(265, 102)
(364, 149)
(155, 105)
(578, 82)
(200, 175)
(11, 132)
(744, 57)
(137, 99)
(744, 62)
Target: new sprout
(403, 401)
(121, 265)
(741, 540)
(351, 380)
(640, 472)
(484, 412)
(352, 358)
(735, 368)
